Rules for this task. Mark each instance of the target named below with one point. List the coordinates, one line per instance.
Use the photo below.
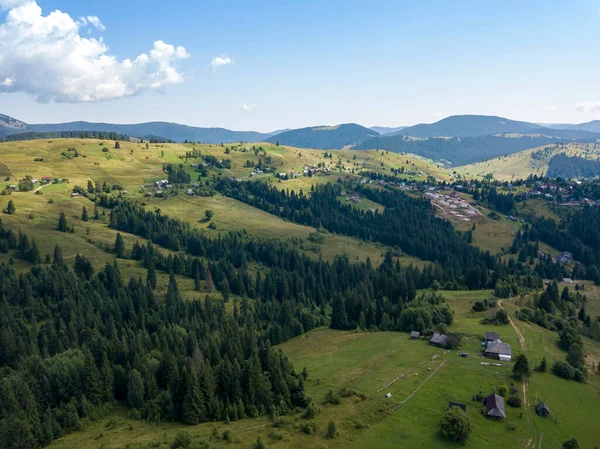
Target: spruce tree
(10, 208)
(135, 389)
(119, 246)
(193, 408)
(84, 214)
(62, 223)
(151, 277)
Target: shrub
(456, 425)
(182, 439)
(276, 436)
(259, 444)
(228, 436)
(578, 375)
(331, 430)
(310, 412)
(332, 398)
(514, 401)
(308, 428)
(563, 369)
(571, 444)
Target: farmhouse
(414, 335)
(463, 407)
(491, 337)
(566, 256)
(498, 350)
(494, 406)
(542, 409)
(439, 340)
(189, 192)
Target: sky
(266, 65)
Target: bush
(228, 436)
(563, 369)
(456, 425)
(276, 436)
(578, 375)
(331, 430)
(308, 428)
(310, 412)
(332, 398)
(182, 439)
(514, 401)
(259, 444)
(571, 444)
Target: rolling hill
(325, 137)
(172, 131)
(458, 151)
(569, 160)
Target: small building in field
(542, 409)
(498, 350)
(74, 194)
(440, 340)
(415, 335)
(494, 407)
(189, 192)
(491, 337)
(388, 395)
(463, 407)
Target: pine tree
(96, 213)
(119, 246)
(62, 223)
(135, 389)
(57, 259)
(34, 253)
(84, 214)
(193, 408)
(151, 277)
(11, 209)
(521, 367)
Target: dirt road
(531, 442)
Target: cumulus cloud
(550, 107)
(247, 107)
(46, 57)
(219, 61)
(588, 106)
(94, 21)
(9, 4)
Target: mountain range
(166, 130)
(460, 139)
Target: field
(134, 165)
(421, 379)
(520, 165)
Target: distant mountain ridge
(383, 130)
(172, 131)
(482, 125)
(325, 137)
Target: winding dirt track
(531, 442)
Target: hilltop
(325, 137)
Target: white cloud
(247, 107)
(550, 107)
(588, 106)
(219, 61)
(95, 21)
(9, 4)
(46, 57)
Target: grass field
(134, 165)
(421, 386)
(520, 165)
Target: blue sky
(387, 63)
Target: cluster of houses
(453, 205)
(495, 408)
(495, 348)
(558, 195)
